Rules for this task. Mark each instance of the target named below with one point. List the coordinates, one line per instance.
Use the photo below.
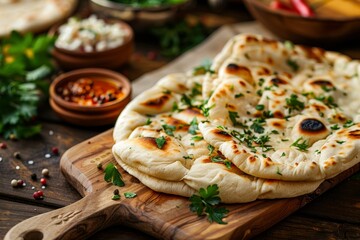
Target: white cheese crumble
(90, 34)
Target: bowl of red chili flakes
(90, 96)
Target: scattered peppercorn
(55, 150)
(45, 172)
(38, 195)
(14, 183)
(3, 145)
(33, 176)
(43, 181)
(116, 192)
(99, 166)
(17, 155)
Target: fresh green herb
(259, 92)
(317, 151)
(116, 197)
(205, 203)
(278, 171)
(289, 45)
(24, 64)
(261, 82)
(196, 90)
(206, 110)
(218, 159)
(211, 149)
(257, 125)
(239, 95)
(186, 100)
(188, 157)
(260, 107)
(175, 107)
(169, 129)
(148, 121)
(268, 114)
(340, 142)
(261, 141)
(113, 175)
(294, 104)
(193, 126)
(293, 65)
(283, 154)
(328, 89)
(177, 37)
(329, 101)
(301, 146)
(335, 127)
(197, 138)
(233, 116)
(166, 91)
(348, 124)
(160, 142)
(129, 194)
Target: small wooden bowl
(98, 115)
(110, 58)
(311, 31)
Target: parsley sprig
(205, 203)
(301, 146)
(113, 175)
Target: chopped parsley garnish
(268, 114)
(113, 175)
(233, 116)
(301, 146)
(130, 194)
(211, 149)
(260, 107)
(193, 126)
(196, 90)
(293, 65)
(160, 142)
(294, 104)
(257, 125)
(148, 121)
(261, 82)
(278, 171)
(205, 203)
(340, 142)
(329, 101)
(169, 129)
(335, 127)
(218, 159)
(259, 92)
(166, 91)
(328, 89)
(239, 95)
(203, 69)
(186, 100)
(175, 107)
(283, 154)
(188, 157)
(197, 138)
(348, 124)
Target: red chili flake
(55, 150)
(3, 145)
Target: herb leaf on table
(205, 203)
(113, 175)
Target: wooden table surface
(334, 215)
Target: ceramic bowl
(139, 17)
(93, 115)
(311, 31)
(110, 58)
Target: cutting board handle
(76, 221)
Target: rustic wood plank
(339, 204)
(58, 192)
(300, 227)
(158, 214)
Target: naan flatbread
(268, 120)
(32, 15)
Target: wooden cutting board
(161, 215)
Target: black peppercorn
(33, 176)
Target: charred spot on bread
(322, 83)
(355, 134)
(278, 81)
(222, 134)
(193, 112)
(312, 126)
(157, 102)
(240, 71)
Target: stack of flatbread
(266, 120)
(32, 15)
